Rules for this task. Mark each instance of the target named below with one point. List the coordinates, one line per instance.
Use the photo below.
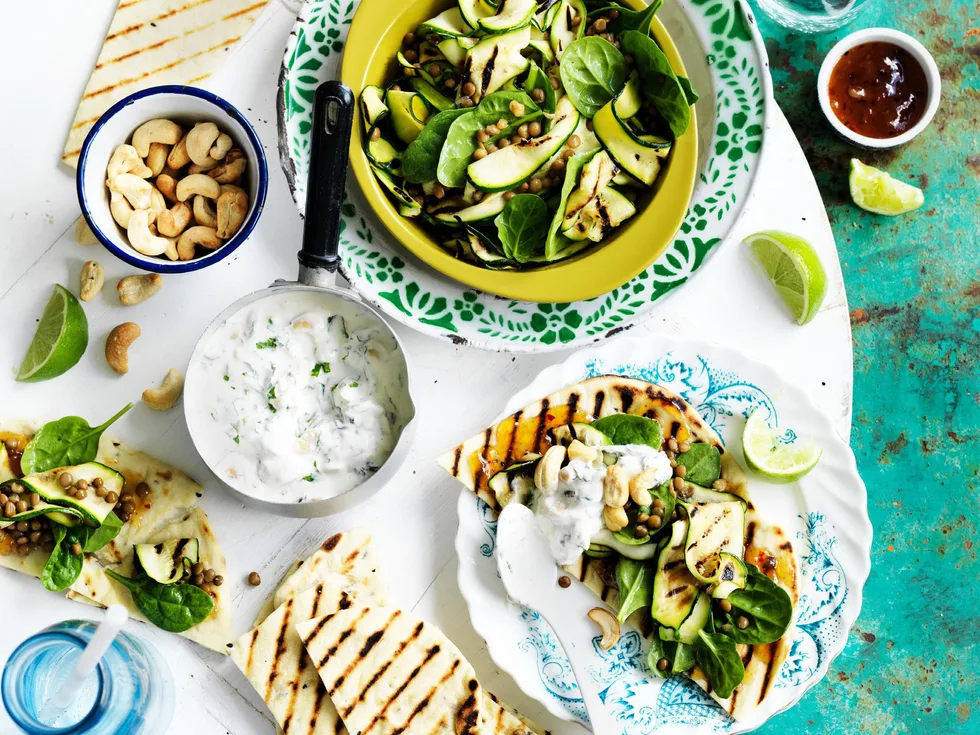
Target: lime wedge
(875, 191)
(794, 268)
(779, 455)
(60, 339)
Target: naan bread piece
(477, 459)
(501, 720)
(349, 553)
(152, 42)
(274, 661)
(169, 511)
(388, 672)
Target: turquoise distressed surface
(912, 664)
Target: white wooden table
(458, 390)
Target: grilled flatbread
(388, 672)
(476, 460)
(274, 661)
(153, 42)
(169, 511)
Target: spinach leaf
(689, 91)
(457, 151)
(172, 607)
(629, 19)
(537, 79)
(557, 242)
(522, 226)
(657, 80)
(703, 463)
(624, 428)
(62, 567)
(422, 156)
(635, 582)
(767, 605)
(683, 658)
(592, 71)
(660, 649)
(63, 443)
(718, 658)
(93, 539)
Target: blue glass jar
(130, 691)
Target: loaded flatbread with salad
(639, 499)
(107, 524)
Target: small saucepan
(298, 396)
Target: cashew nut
(166, 396)
(140, 236)
(156, 159)
(171, 251)
(615, 489)
(178, 157)
(640, 486)
(117, 346)
(578, 450)
(120, 209)
(608, 624)
(84, 234)
(202, 168)
(206, 237)
(155, 131)
(135, 189)
(204, 213)
(134, 290)
(157, 202)
(197, 184)
(199, 141)
(232, 208)
(167, 185)
(230, 172)
(173, 221)
(615, 518)
(93, 276)
(546, 471)
(125, 160)
(221, 147)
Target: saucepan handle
(333, 117)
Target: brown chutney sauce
(878, 90)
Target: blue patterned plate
(825, 515)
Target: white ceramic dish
(824, 515)
(185, 106)
(902, 40)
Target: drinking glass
(812, 16)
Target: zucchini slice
(639, 156)
(487, 255)
(595, 176)
(506, 168)
(449, 24)
(57, 513)
(600, 216)
(494, 61)
(688, 630)
(489, 207)
(407, 206)
(166, 561)
(473, 11)
(516, 483)
(585, 433)
(454, 49)
(637, 552)
(408, 114)
(511, 14)
(675, 590)
(431, 95)
(731, 576)
(714, 528)
(563, 29)
(373, 108)
(91, 508)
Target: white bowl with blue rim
(185, 106)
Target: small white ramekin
(184, 105)
(902, 40)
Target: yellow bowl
(369, 59)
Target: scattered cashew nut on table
(166, 396)
(134, 290)
(117, 346)
(93, 277)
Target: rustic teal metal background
(912, 664)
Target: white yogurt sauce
(299, 396)
(571, 516)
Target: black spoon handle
(333, 117)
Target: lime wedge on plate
(778, 455)
(60, 339)
(875, 191)
(795, 270)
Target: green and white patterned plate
(726, 61)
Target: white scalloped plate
(824, 515)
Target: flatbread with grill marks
(477, 459)
(389, 673)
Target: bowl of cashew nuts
(172, 179)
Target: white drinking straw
(115, 617)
